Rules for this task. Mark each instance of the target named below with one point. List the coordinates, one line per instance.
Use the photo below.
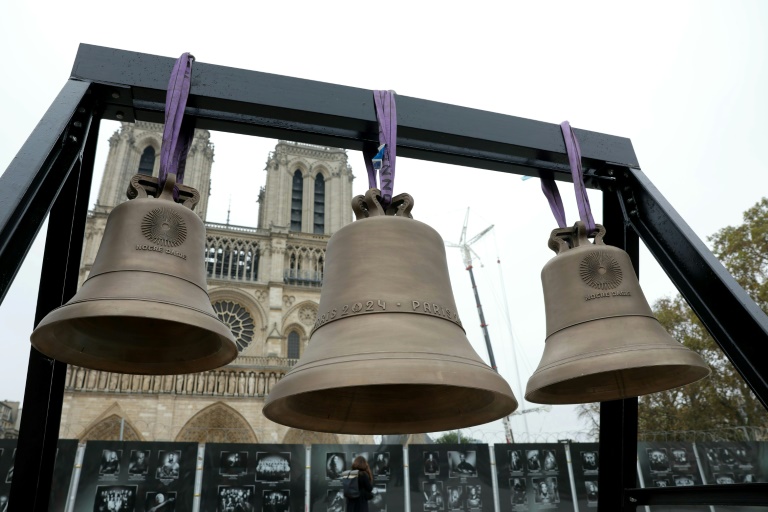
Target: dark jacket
(366, 491)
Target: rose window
(238, 319)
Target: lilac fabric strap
(177, 134)
(386, 115)
(549, 187)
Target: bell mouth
(362, 376)
(390, 408)
(135, 336)
(612, 359)
(617, 384)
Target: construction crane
(467, 252)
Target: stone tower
(263, 281)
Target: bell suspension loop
(382, 161)
(178, 132)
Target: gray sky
(685, 81)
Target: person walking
(365, 484)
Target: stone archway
(217, 423)
(109, 428)
(298, 436)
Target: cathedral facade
(263, 281)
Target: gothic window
(297, 191)
(238, 319)
(231, 259)
(147, 162)
(294, 345)
(292, 272)
(319, 225)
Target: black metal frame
(52, 174)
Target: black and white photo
(274, 500)
(591, 486)
(110, 462)
(684, 480)
(658, 460)
(533, 460)
(334, 500)
(335, 465)
(546, 490)
(724, 478)
(233, 463)
(273, 467)
(433, 496)
(431, 464)
(455, 497)
(380, 466)
(379, 501)
(590, 462)
(515, 461)
(550, 462)
(160, 502)
(519, 494)
(139, 463)
(474, 499)
(168, 465)
(462, 464)
(115, 498)
(680, 457)
(238, 498)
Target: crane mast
(467, 252)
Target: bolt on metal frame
(52, 174)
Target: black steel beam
(618, 418)
(737, 324)
(32, 181)
(44, 391)
(275, 106)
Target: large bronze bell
(388, 353)
(603, 342)
(144, 308)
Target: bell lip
(42, 338)
(574, 354)
(542, 396)
(336, 357)
(501, 406)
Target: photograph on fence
(533, 477)
(135, 475)
(732, 462)
(669, 464)
(450, 477)
(253, 477)
(585, 461)
(386, 465)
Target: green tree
(722, 400)
(455, 437)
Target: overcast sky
(685, 81)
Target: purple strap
(549, 187)
(177, 134)
(386, 115)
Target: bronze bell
(603, 342)
(144, 307)
(388, 353)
